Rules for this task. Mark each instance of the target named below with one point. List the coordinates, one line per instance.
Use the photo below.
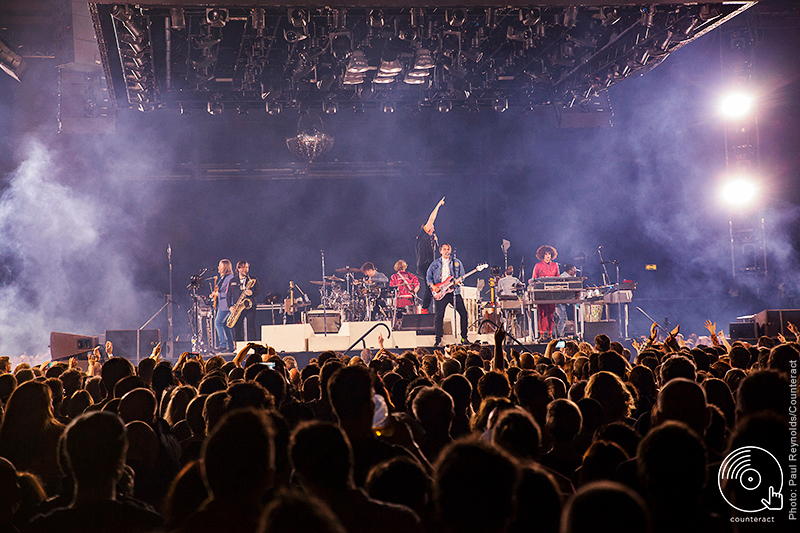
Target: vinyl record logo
(755, 477)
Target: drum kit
(356, 299)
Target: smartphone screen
(561, 344)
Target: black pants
(441, 305)
(238, 328)
(427, 295)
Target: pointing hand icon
(774, 500)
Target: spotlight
(456, 18)
(376, 18)
(216, 17)
(500, 105)
(444, 106)
(736, 104)
(474, 54)
(383, 79)
(298, 18)
(177, 19)
(258, 18)
(351, 78)
(570, 16)
(292, 36)
(739, 192)
(11, 62)
(530, 17)
(274, 108)
(411, 80)
(418, 73)
(330, 107)
(647, 16)
(391, 67)
(388, 107)
(215, 108)
(340, 45)
(423, 59)
(358, 63)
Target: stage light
(216, 17)
(388, 107)
(423, 59)
(736, 104)
(274, 108)
(330, 108)
(383, 79)
(500, 105)
(739, 192)
(444, 106)
(456, 18)
(297, 17)
(358, 63)
(215, 108)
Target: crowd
(586, 438)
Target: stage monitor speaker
(773, 321)
(743, 331)
(133, 344)
(332, 320)
(66, 345)
(422, 324)
(592, 329)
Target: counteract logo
(755, 477)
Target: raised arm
(431, 219)
(499, 355)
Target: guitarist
(438, 272)
(220, 297)
(248, 317)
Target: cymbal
(272, 297)
(326, 282)
(333, 278)
(347, 270)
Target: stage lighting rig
(167, 53)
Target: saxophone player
(245, 327)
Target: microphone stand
(168, 306)
(324, 298)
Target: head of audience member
(351, 395)
(606, 506)
(718, 393)
(539, 501)
(564, 420)
(600, 462)
(781, 358)
(677, 366)
(488, 413)
(557, 387)
(293, 510)
(602, 343)
(321, 456)
(145, 370)
(275, 384)
(434, 410)
(114, 370)
(95, 387)
(739, 357)
(474, 487)
(621, 434)
(516, 432)
(608, 389)
(78, 403)
(213, 382)
(644, 380)
(186, 494)
(239, 457)
(765, 390)
(671, 462)
(178, 402)
(310, 391)
(194, 415)
(162, 377)
(127, 384)
(248, 394)
(494, 384)
(683, 400)
(450, 366)
(533, 394)
(96, 446)
(611, 361)
(400, 480)
(138, 404)
(214, 409)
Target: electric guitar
(440, 290)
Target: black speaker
(134, 344)
(743, 331)
(66, 345)
(773, 321)
(331, 320)
(592, 329)
(422, 324)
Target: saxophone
(241, 304)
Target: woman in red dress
(545, 268)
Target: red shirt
(403, 280)
(545, 270)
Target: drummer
(377, 279)
(408, 286)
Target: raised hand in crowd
(791, 327)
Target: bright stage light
(739, 192)
(736, 105)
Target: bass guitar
(440, 290)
